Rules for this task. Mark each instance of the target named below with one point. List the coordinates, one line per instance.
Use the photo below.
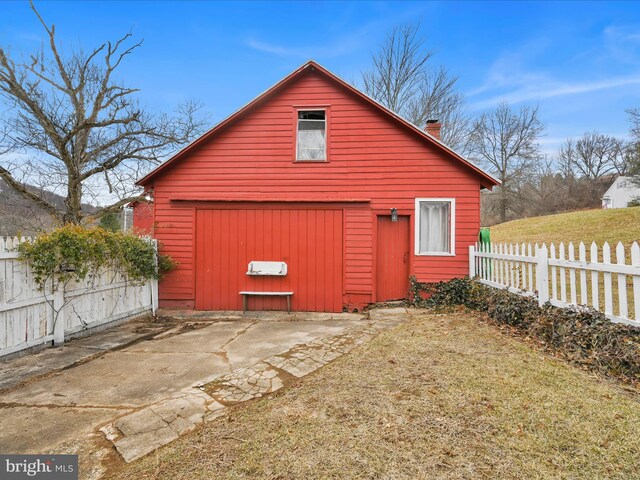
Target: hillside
(621, 224)
(19, 216)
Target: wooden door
(308, 240)
(392, 259)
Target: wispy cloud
(511, 77)
(510, 68)
(626, 33)
(30, 37)
(345, 45)
(337, 46)
(549, 89)
(623, 43)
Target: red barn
(350, 198)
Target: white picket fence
(565, 277)
(31, 317)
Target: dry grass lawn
(613, 226)
(439, 397)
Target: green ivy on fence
(73, 252)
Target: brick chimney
(433, 128)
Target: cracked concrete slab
(40, 429)
(263, 316)
(267, 338)
(245, 384)
(120, 378)
(147, 429)
(153, 380)
(304, 359)
(16, 370)
(137, 446)
(209, 339)
(141, 432)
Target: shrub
(111, 222)
(72, 252)
(453, 292)
(581, 335)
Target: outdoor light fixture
(394, 215)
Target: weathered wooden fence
(31, 317)
(565, 276)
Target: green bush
(453, 292)
(110, 222)
(581, 335)
(72, 252)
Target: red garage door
(308, 240)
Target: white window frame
(452, 226)
(326, 133)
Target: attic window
(312, 135)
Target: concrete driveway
(55, 400)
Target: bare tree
(634, 117)
(633, 149)
(70, 127)
(403, 80)
(542, 192)
(593, 156)
(506, 142)
(545, 190)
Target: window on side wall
(435, 226)
(311, 138)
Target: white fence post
(472, 262)
(58, 317)
(154, 295)
(623, 309)
(635, 260)
(608, 288)
(154, 282)
(542, 275)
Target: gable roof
(489, 180)
(622, 183)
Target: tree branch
(117, 206)
(25, 192)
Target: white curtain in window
(435, 227)
(311, 144)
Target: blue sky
(579, 61)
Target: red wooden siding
(359, 251)
(143, 218)
(308, 240)
(371, 159)
(392, 258)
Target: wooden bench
(246, 295)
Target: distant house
(334, 200)
(620, 193)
